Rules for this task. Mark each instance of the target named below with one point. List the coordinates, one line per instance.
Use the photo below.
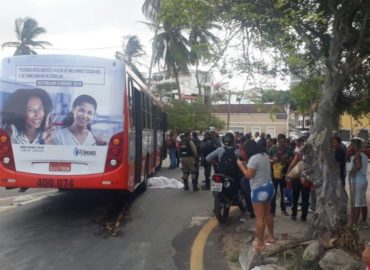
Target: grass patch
(234, 257)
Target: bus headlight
(113, 162)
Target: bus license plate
(60, 166)
(216, 187)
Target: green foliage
(27, 30)
(132, 52)
(306, 94)
(151, 9)
(312, 37)
(187, 13)
(184, 116)
(279, 97)
(184, 37)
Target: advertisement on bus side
(61, 110)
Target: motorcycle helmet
(228, 139)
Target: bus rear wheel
(143, 186)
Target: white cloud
(78, 25)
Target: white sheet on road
(164, 182)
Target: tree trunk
(197, 77)
(176, 74)
(152, 57)
(319, 160)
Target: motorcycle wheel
(221, 209)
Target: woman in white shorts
(258, 171)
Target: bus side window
(150, 114)
(143, 110)
(131, 102)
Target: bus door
(138, 133)
(155, 135)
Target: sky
(88, 27)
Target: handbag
(296, 172)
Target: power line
(82, 49)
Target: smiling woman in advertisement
(77, 124)
(25, 116)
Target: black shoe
(195, 188)
(206, 187)
(186, 188)
(303, 219)
(252, 215)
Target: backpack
(197, 143)
(185, 149)
(228, 165)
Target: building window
(307, 123)
(237, 129)
(271, 131)
(256, 129)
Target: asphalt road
(66, 230)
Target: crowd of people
(267, 166)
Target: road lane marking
(6, 208)
(199, 244)
(26, 199)
(33, 194)
(197, 250)
(198, 221)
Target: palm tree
(151, 10)
(201, 39)
(172, 47)
(132, 51)
(26, 30)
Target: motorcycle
(226, 193)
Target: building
(268, 118)
(301, 122)
(356, 127)
(165, 88)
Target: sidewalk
(240, 233)
(237, 234)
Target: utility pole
(228, 111)
(287, 110)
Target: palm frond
(36, 32)
(40, 44)
(10, 44)
(26, 30)
(151, 8)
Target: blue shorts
(263, 193)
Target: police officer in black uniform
(197, 142)
(189, 156)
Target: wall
(348, 122)
(251, 122)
